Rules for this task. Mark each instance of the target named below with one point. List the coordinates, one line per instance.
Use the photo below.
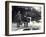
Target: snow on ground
(30, 26)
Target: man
(25, 20)
(19, 20)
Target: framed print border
(7, 17)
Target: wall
(2, 18)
